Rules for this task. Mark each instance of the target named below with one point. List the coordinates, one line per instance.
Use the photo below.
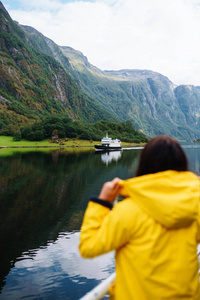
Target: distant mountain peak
(2, 7)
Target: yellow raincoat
(155, 232)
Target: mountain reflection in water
(43, 197)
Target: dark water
(43, 197)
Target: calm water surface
(43, 197)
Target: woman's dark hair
(160, 154)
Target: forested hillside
(59, 127)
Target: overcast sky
(158, 35)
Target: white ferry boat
(108, 144)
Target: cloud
(48, 5)
(162, 36)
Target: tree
(71, 131)
(17, 135)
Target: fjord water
(43, 196)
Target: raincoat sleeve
(104, 230)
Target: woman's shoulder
(128, 204)
(130, 212)
(133, 216)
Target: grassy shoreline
(8, 142)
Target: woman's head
(160, 154)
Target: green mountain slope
(150, 100)
(34, 85)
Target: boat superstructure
(108, 143)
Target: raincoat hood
(170, 197)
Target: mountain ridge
(68, 83)
(150, 86)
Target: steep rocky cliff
(34, 84)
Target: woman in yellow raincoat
(155, 230)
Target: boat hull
(107, 148)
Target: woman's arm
(103, 229)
